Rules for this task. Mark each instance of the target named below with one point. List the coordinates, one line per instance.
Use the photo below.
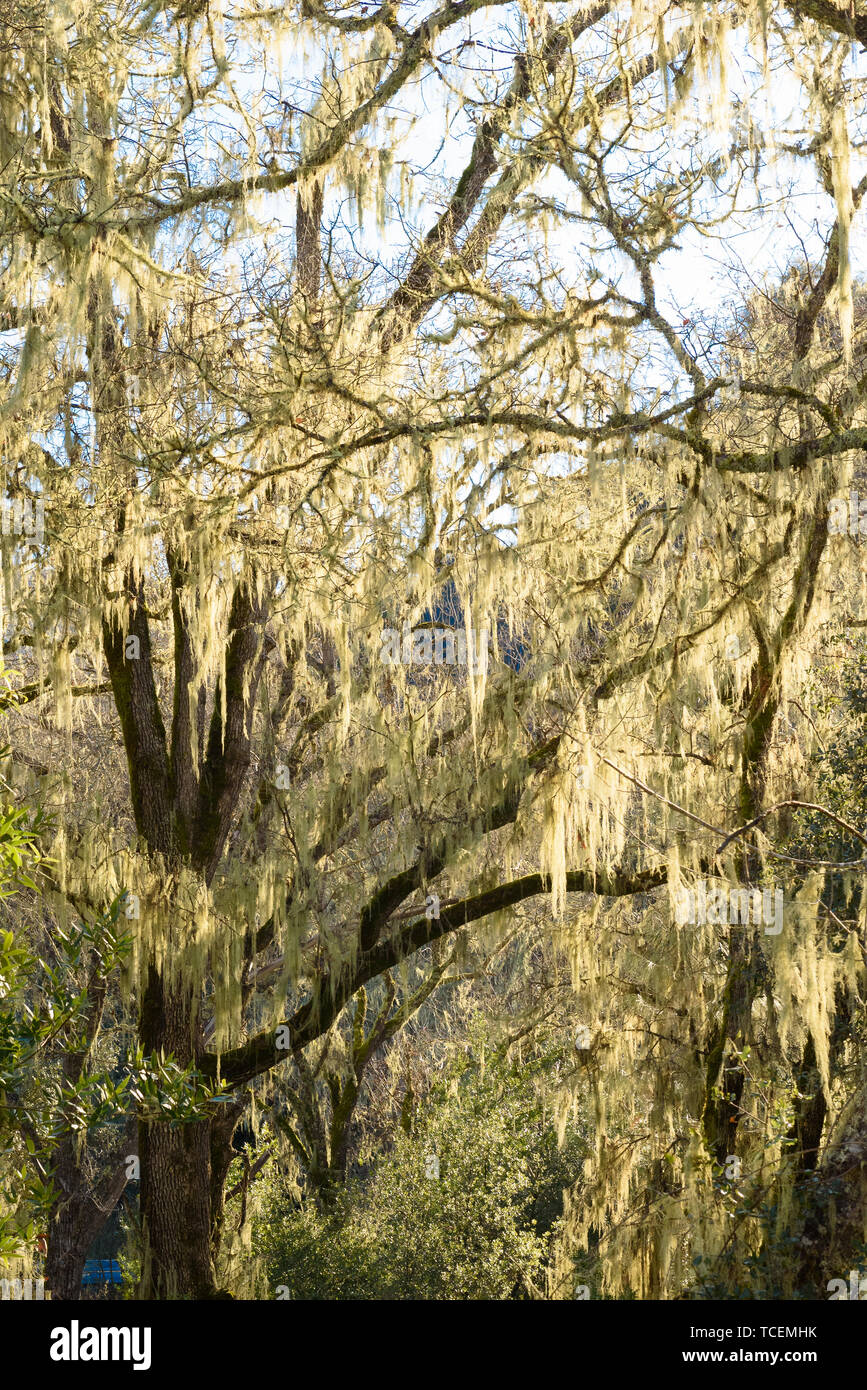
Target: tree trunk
(832, 1239)
(223, 1127)
(725, 1075)
(80, 1213)
(176, 1176)
(68, 1242)
(175, 1164)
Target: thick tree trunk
(175, 1164)
(68, 1241)
(64, 1266)
(176, 1179)
(725, 1073)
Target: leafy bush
(464, 1206)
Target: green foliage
(19, 854)
(54, 1081)
(464, 1206)
(163, 1089)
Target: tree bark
(175, 1162)
(832, 1239)
(68, 1239)
(80, 1214)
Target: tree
(19, 853)
(52, 1093)
(68, 1075)
(257, 444)
(463, 1206)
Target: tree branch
(261, 1053)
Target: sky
(701, 276)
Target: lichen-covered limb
(414, 296)
(261, 1053)
(228, 749)
(415, 50)
(849, 22)
(141, 720)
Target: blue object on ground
(101, 1272)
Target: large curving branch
(261, 1053)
